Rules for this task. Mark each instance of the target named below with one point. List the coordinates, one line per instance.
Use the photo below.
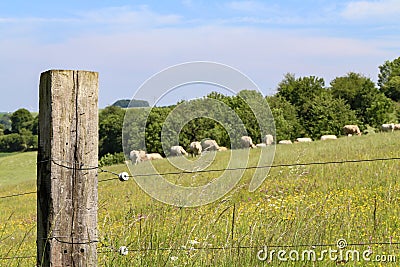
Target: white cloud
(125, 60)
(110, 19)
(384, 9)
(128, 45)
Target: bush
(111, 159)
(12, 143)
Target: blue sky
(128, 41)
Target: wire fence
(83, 167)
(123, 250)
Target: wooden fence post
(66, 169)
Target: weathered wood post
(66, 169)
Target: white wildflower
(193, 242)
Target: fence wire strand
(88, 167)
(101, 250)
(257, 167)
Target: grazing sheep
(328, 137)
(137, 156)
(268, 139)
(153, 156)
(195, 148)
(304, 140)
(178, 151)
(285, 142)
(349, 130)
(222, 148)
(387, 127)
(209, 145)
(247, 142)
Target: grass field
(303, 207)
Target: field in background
(16, 168)
(297, 206)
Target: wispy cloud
(127, 44)
(97, 20)
(383, 9)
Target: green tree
(12, 143)
(388, 79)
(30, 141)
(299, 91)
(21, 119)
(370, 105)
(287, 123)
(35, 125)
(154, 127)
(5, 121)
(255, 113)
(391, 89)
(380, 111)
(327, 115)
(110, 130)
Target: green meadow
(296, 209)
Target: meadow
(296, 208)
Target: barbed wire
(19, 194)
(57, 238)
(257, 167)
(73, 167)
(185, 248)
(81, 168)
(189, 248)
(17, 257)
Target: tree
(29, 140)
(12, 143)
(380, 111)
(299, 91)
(370, 105)
(110, 130)
(5, 121)
(35, 125)
(388, 79)
(21, 119)
(391, 89)
(287, 123)
(327, 115)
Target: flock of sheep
(196, 148)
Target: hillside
(296, 206)
(16, 168)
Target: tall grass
(298, 206)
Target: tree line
(18, 131)
(302, 107)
